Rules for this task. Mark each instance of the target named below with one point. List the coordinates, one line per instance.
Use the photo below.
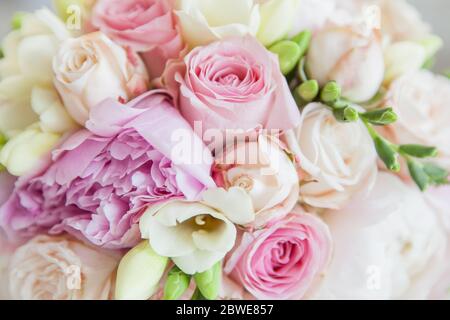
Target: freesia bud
(139, 273)
(289, 54)
(418, 174)
(308, 90)
(176, 284)
(418, 151)
(330, 92)
(62, 7)
(208, 282)
(303, 39)
(351, 58)
(25, 150)
(387, 154)
(16, 21)
(380, 117)
(347, 114)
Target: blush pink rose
(144, 26)
(101, 180)
(283, 260)
(233, 84)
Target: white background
(435, 12)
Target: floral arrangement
(223, 149)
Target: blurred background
(435, 12)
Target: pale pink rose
(92, 68)
(145, 26)
(263, 169)
(352, 55)
(233, 84)
(283, 260)
(58, 268)
(389, 245)
(420, 100)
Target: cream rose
(263, 169)
(387, 246)
(338, 159)
(92, 68)
(26, 150)
(420, 100)
(350, 54)
(196, 235)
(56, 268)
(27, 94)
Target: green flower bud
(387, 153)
(303, 39)
(308, 90)
(209, 281)
(418, 151)
(437, 175)
(16, 21)
(3, 140)
(289, 54)
(380, 117)
(331, 92)
(198, 295)
(176, 284)
(139, 273)
(2, 55)
(417, 172)
(347, 114)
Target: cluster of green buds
(207, 283)
(291, 51)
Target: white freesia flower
(339, 159)
(196, 235)
(403, 57)
(277, 17)
(26, 71)
(25, 150)
(396, 253)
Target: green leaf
(209, 281)
(347, 114)
(417, 172)
(2, 55)
(308, 90)
(380, 117)
(3, 140)
(418, 151)
(387, 153)
(303, 39)
(437, 175)
(289, 54)
(331, 92)
(176, 284)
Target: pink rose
(101, 180)
(234, 84)
(144, 26)
(282, 261)
(57, 268)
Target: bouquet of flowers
(223, 149)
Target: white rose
(264, 170)
(205, 21)
(339, 159)
(196, 235)
(396, 252)
(58, 268)
(352, 55)
(26, 72)
(91, 68)
(420, 100)
(24, 151)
